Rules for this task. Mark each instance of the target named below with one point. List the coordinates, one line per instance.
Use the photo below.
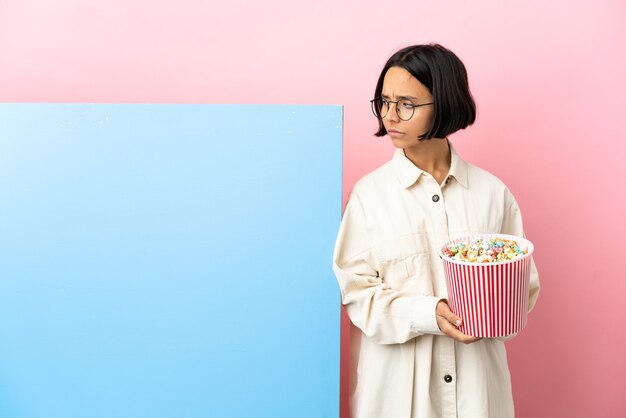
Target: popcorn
(480, 250)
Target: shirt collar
(408, 173)
(458, 168)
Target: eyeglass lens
(404, 108)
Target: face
(399, 84)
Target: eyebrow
(384, 96)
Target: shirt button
(447, 180)
(436, 198)
(447, 378)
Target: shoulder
(482, 176)
(374, 184)
(487, 182)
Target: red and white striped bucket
(491, 298)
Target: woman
(410, 359)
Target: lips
(394, 133)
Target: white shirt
(391, 278)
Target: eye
(405, 104)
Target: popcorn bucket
(491, 298)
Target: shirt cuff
(425, 321)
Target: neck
(432, 156)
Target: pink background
(549, 79)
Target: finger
(449, 329)
(454, 333)
(468, 339)
(455, 319)
(451, 316)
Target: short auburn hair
(443, 73)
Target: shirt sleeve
(386, 315)
(512, 225)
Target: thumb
(453, 318)
(449, 315)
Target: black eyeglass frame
(380, 115)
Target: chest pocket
(404, 264)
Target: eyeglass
(404, 108)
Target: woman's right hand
(449, 322)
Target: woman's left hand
(449, 322)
